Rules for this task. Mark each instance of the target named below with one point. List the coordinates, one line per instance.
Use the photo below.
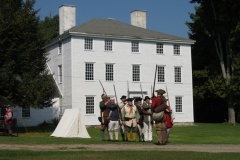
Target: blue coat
(114, 116)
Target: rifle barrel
(102, 87)
(154, 80)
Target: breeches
(147, 131)
(113, 126)
(161, 132)
(129, 129)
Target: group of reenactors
(134, 117)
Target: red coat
(168, 117)
(8, 117)
(156, 101)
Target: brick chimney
(138, 18)
(67, 17)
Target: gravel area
(115, 147)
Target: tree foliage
(23, 76)
(49, 27)
(216, 29)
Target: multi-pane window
(135, 46)
(178, 74)
(108, 45)
(25, 112)
(60, 48)
(159, 48)
(161, 74)
(136, 73)
(178, 102)
(109, 72)
(176, 49)
(89, 71)
(89, 105)
(59, 73)
(88, 44)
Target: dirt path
(114, 147)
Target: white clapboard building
(120, 54)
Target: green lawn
(197, 134)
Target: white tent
(71, 125)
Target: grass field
(197, 134)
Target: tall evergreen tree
(50, 27)
(215, 28)
(23, 76)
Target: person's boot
(164, 137)
(108, 135)
(111, 135)
(134, 136)
(116, 135)
(128, 136)
(102, 135)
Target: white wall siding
(67, 74)
(123, 59)
(37, 116)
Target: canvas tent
(71, 125)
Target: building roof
(112, 28)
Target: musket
(128, 90)
(154, 81)
(151, 88)
(102, 87)
(141, 89)
(115, 93)
(168, 96)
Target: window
(178, 102)
(60, 48)
(88, 44)
(109, 72)
(25, 112)
(59, 73)
(176, 49)
(161, 77)
(136, 73)
(159, 47)
(108, 45)
(177, 73)
(89, 105)
(89, 71)
(135, 47)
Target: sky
(166, 16)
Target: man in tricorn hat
(104, 116)
(159, 105)
(138, 102)
(147, 119)
(130, 117)
(121, 105)
(8, 119)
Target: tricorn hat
(123, 97)
(129, 99)
(146, 97)
(103, 96)
(138, 99)
(7, 106)
(161, 91)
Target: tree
(49, 27)
(215, 28)
(23, 76)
